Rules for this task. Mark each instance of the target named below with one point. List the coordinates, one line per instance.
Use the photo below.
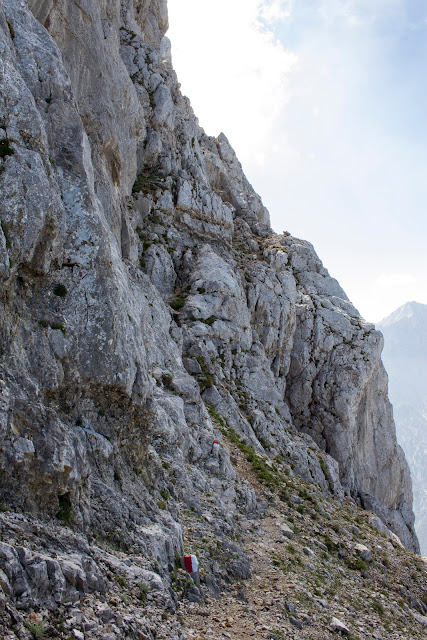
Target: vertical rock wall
(143, 291)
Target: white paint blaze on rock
(191, 564)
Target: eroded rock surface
(146, 304)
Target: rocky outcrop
(146, 303)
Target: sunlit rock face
(143, 292)
(405, 358)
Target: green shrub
(65, 512)
(60, 290)
(37, 628)
(148, 183)
(179, 301)
(205, 381)
(357, 564)
(328, 542)
(167, 379)
(43, 323)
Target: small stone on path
(337, 625)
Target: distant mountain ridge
(410, 311)
(405, 359)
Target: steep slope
(405, 358)
(145, 302)
(318, 564)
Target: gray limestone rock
(146, 304)
(35, 579)
(286, 530)
(363, 552)
(337, 625)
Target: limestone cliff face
(143, 292)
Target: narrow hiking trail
(305, 579)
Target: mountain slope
(405, 358)
(149, 317)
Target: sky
(325, 104)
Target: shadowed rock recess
(147, 310)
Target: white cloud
(356, 14)
(235, 71)
(275, 10)
(391, 280)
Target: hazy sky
(325, 103)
